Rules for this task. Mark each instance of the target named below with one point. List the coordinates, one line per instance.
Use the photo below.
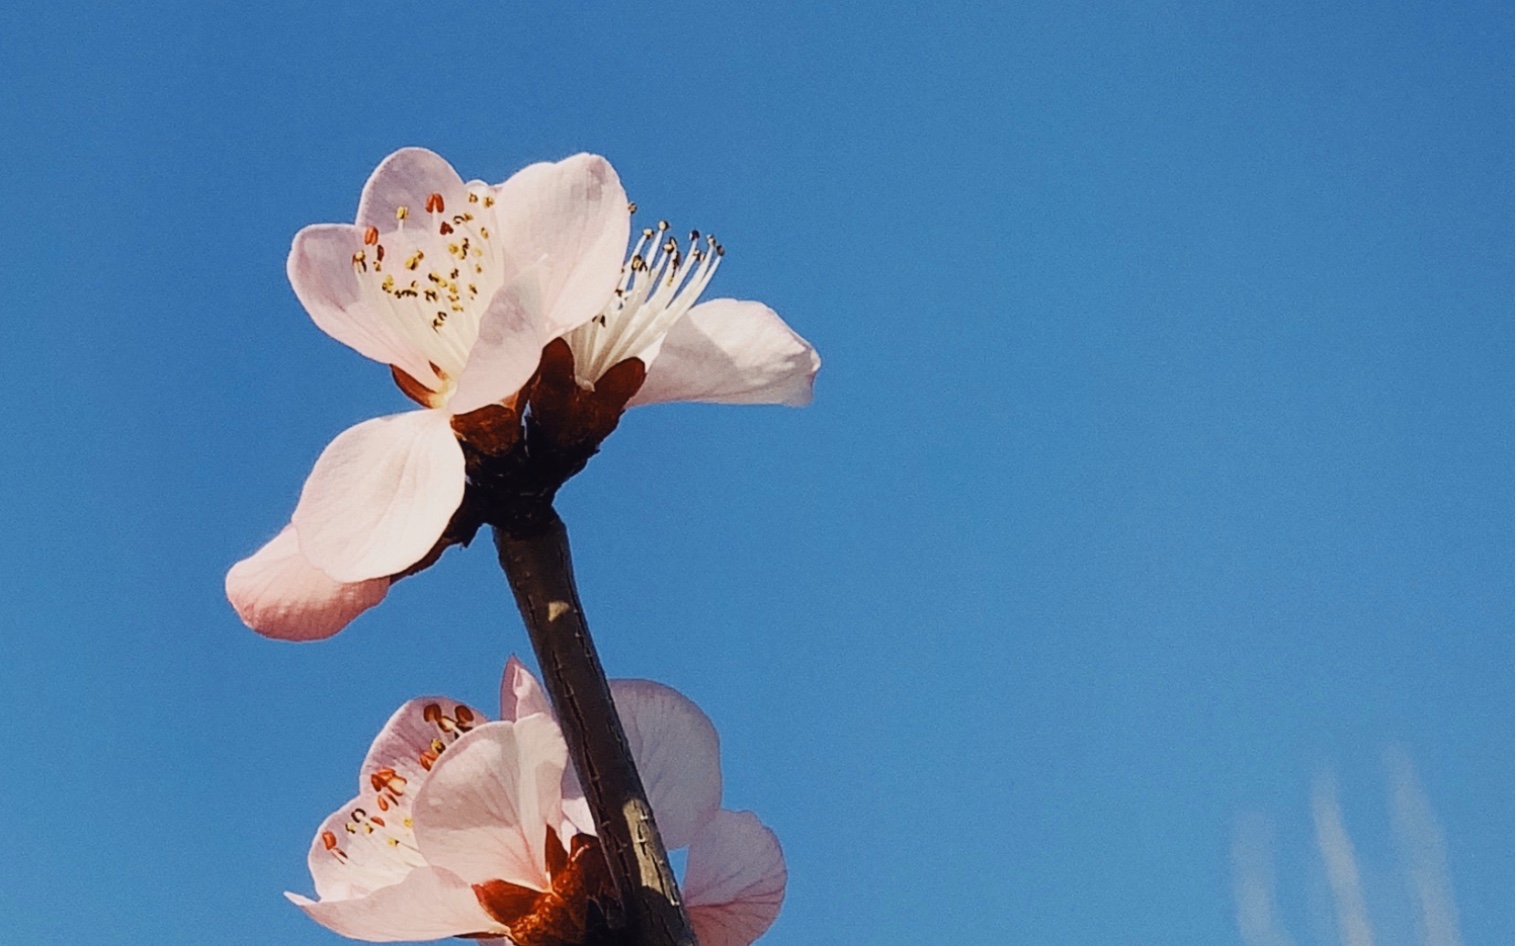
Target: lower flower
(467, 827)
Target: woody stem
(535, 556)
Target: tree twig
(535, 556)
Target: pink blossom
(465, 827)
(457, 287)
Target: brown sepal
(414, 389)
(572, 416)
(558, 917)
(492, 429)
(505, 902)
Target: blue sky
(1159, 471)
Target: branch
(535, 557)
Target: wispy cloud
(1253, 871)
(1341, 864)
(1418, 839)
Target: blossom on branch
(466, 827)
(513, 316)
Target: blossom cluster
(522, 318)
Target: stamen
(652, 294)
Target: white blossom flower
(458, 287)
(464, 827)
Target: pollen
(441, 325)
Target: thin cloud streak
(1341, 865)
(1423, 854)
(1253, 873)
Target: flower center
(432, 279)
(650, 297)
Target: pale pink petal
(409, 745)
(566, 223)
(278, 593)
(577, 817)
(677, 753)
(359, 849)
(320, 269)
(407, 179)
(727, 351)
(734, 880)
(520, 696)
(380, 495)
(427, 904)
(520, 693)
(506, 352)
(485, 810)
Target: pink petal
(409, 745)
(278, 593)
(380, 495)
(485, 810)
(359, 849)
(407, 179)
(730, 352)
(506, 352)
(677, 753)
(520, 696)
(566, 223)
(734, 880)
(369, 842)
(320, 269)
(427, 904)
(520, 693)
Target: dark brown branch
(535, 556)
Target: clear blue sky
(1161, 459)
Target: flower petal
(279, 594)
(359, 849)
(380, 495)
(410, 743)
(520, 693)
(320, 268)
(521, 696)
(507, 349)
(677, 753)
(734, 880)
(726, 351)
(407, 179)
(428, 903)
(484, 811)
(566, 223)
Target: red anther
(434, 203)
(328, 840)
(370, 236)
(379, 251)
(445, 228)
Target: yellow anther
(402, 212)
